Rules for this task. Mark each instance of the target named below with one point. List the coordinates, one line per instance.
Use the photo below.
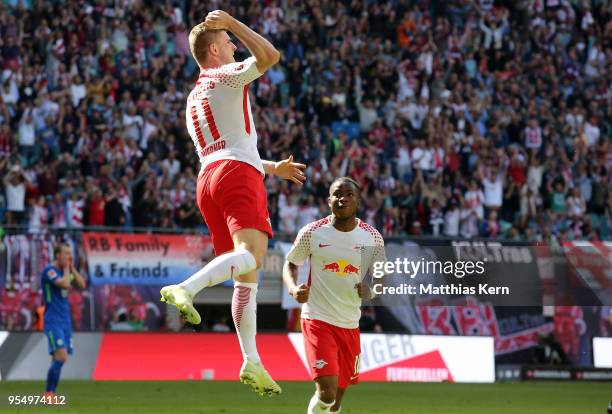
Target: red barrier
(211, 356)
(167, 356)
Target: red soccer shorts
(332, 351)
(231, 196)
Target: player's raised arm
(79, 280)
(266, 55)
(286, 169)
(64, 281)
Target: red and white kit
(330, 318)
(230, 190)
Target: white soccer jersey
(338, 260)
(219, 118)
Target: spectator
(188, 213)
(399, 96)
(422, 157)
(576, 204)
(48, 135)
(39, 218)
(15, 190)
(529, 205)
(114, 216)
(533, 135)
(308, 212)
(95, 208)
(493, 35)
(27, 137)
(295, 49)
(491, 227)
(436, 218)
(288, 217)
(172, 165)
(475, 199)
(74, 210)
(58, 212)
(47, 179)
(403, 160)
(451, 220)
(78, 90)
(493, 190)
(132, 123)
(5, 141)
(468, 224)
(591, 131)
(557, 202)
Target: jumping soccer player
(57, 278)
(341, 249)
(230, 190)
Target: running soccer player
(57, 278)
(341, 248)
(230, 190)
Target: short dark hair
(346, 180)
(58, 248)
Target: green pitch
(86, 397)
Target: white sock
(244, 313)
(220, 269)
(317, 406)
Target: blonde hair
(58, 248)
(199, 40)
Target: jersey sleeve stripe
(210, 119)
(196, 126)
(245, 109)
(52, 339)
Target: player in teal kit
(57, 278)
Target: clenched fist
(300, 293)
(364, 291)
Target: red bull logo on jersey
(341, 268)
(332, 267)
(350, 269)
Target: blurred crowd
(471, 118)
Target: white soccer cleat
(256, 376)
(178, 296)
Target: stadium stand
(459, 118)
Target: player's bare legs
(240, 264)
(244, 312)
(59, 358)
(220, 269)
(245, 290)
(335, 409)
(250, 248)
(325, 395)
